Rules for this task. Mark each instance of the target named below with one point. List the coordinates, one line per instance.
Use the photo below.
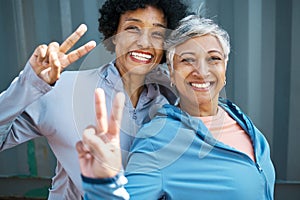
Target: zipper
(266, 181)
(249, 129)
(134, 115)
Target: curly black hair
(111, 11)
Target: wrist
(119, 178)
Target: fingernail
(57, 63)
(92, 43)
(82, 27)
(90, 130)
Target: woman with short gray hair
(205, 147)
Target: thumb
(55, 67)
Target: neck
(200, 110)
(133, 85)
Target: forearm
(24, 90)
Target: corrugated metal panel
(263, 76)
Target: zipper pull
(259, 168)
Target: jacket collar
(112, 78)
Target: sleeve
(24, 90)
(143, 170)
(109, 188)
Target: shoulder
(82, 77)
(235, 112)
(160, 130)
(161, 77)
(168, 116)
(73, 75)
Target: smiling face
(199, 74)
(139, 40)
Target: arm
(42, 70)
(24, 90)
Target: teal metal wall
(262, 78)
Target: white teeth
(201, 85)
(141, 56)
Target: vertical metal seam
(66, 18)
(31, 158)
(20, 30)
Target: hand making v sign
(49, 61)
(99, 151)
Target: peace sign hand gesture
(99, 151)
(49, 61)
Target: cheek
(158, 45)
(220, 72)
(159, 52)
(223, 74)
(124, 40)
(178, 77)
(120, 48)
(181, 72)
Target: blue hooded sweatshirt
(176, 157)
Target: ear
(171, 70)
(169, 67)
(172, 77)
(114, 39)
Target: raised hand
(49, 61)
(99, 151)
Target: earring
(224, 82)
(172, 84)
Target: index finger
(101, 113)
(73, 38)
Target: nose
(144, 39)
(201, 68)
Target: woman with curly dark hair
(60, 109)
(112, 10)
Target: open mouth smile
(141, 56)
(202, 86)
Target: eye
(158, 35)
(132, 29)
(214, 59)
(188, 60)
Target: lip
(141, 57)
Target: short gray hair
(192, 26)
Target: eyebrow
(154, 24)
(215, 51)
(193, 53)
(186, 52)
